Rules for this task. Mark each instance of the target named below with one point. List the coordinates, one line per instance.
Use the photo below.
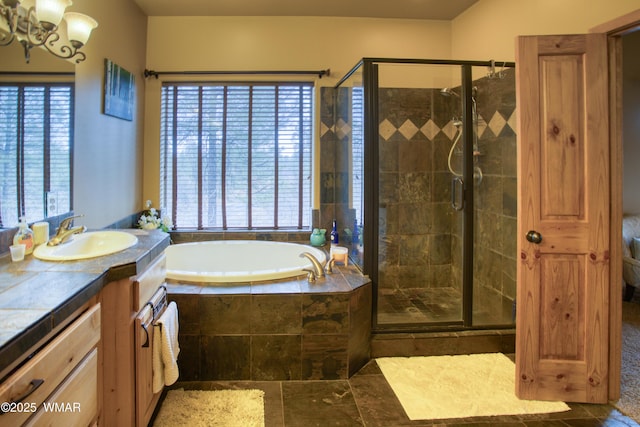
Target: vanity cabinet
(59, 384)
(127, 396)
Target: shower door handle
(457, 201)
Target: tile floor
(367, 400)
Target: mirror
(43, 166)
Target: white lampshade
(27, 4)
(79, 27)
(51, 11)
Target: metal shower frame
(371, 167)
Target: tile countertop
(36, 296)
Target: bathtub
(230, 261)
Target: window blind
(36, 122)
(237, 156)
(357, 150)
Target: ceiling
(404, 9)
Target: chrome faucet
(65, 231)
(318, 269)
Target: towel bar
(156, 305)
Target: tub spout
(317, 267)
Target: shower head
(447, 91)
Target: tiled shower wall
(415, 243)
(419, 233)
(495, 197)
(335, 137)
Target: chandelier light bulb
(50, 12)
(79, 27)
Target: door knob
(534, 237)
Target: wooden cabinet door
(562, 338)
(146, 400)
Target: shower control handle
(534, 237)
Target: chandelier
(35, 23)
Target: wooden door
(562, 324)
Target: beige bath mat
(228, 408)
(477, 385)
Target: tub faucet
(329, 265)
(65, 231)
(311, 275)
(318, 268)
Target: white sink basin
(87, 245)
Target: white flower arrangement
(151, 221)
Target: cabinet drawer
(147, 283)
(49, 367)
(75, 403)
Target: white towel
(165, 348)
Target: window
(357, 150)
(236, 156)
(36, 131)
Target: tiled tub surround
(288, 329)
(36, 296)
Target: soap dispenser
(24, 236)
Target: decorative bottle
(335, 238)
(24, 236)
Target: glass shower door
(425, 182)
(349, 174)
(420, 204)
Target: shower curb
(443, 343)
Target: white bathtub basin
(232, 261)
(87, 245)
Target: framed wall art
(119, 91)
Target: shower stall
(424, 187)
